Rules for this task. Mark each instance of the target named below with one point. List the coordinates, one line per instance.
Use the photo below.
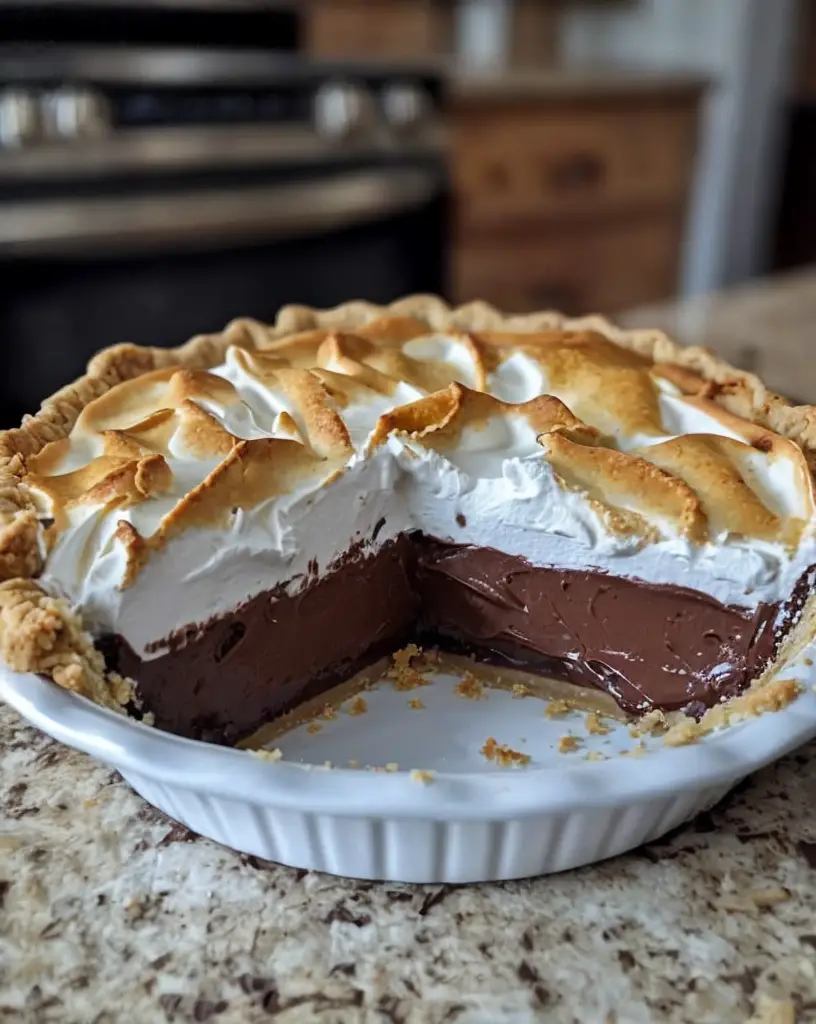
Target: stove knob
(75, 113)
(406, 106)
(19, 118)
(343, 111)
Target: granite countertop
(764, 326)
(110, 912)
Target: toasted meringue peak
(439, 419)
(126, 404)
(136, 550)
(103, 481)
(603, 384)
(325, 429)
(200, 434)
(709, 464)
(627, 482)
(153, 433)
(252, 472)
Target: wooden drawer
(370, 28)
(577, 269)
(571, 160)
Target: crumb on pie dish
(218, 534)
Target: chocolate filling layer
(649, 646)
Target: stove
(162, 171)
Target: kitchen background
(166, 165)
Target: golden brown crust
(41, 634)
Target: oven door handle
(250, 214)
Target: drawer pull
(575, 172)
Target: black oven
(151, 193)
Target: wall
(482, 30)
(746, 47)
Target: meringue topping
(560, 446)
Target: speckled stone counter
(763, 326)
(109, 913)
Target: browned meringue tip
(252, 472)
(708, 464)
(134, 401)
(627, 483)
(200, 434)
(257, 363)
(439, 418)
(106, 481)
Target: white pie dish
(473, 822)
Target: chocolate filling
(647, 645)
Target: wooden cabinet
(376, 28)
(572, 197)
(576, 267)
(570, 187)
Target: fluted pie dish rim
(194, 768)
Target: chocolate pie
(241, 524)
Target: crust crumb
(403, 674)
(595, 755)
(422, 776)
(353, 763)
(683, 733)
(268, 755)
(567, 744)
(359, 706)
(595, 726)
(416, 704)
(520, 690)
(313, 727)
(652, 724)
(638, 750)
(557, 709)
(470, 687)
(503, 755)
(409, 679)
(404, 657)
(807, 662)
(328, 712)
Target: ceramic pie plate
(469, 821)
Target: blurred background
(167, 165)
